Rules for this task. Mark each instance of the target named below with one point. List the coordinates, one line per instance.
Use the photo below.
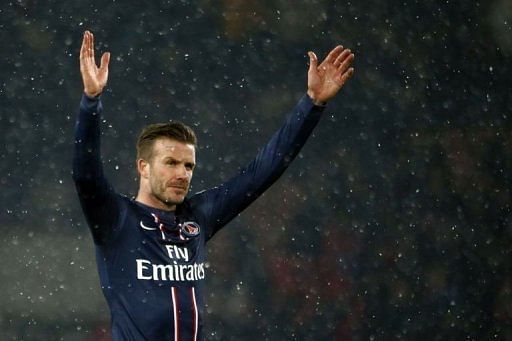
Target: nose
(183, 172)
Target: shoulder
(193, 207)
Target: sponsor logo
(147, 227)
(176, 252)
(169, 272)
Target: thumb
(105, 58)
(313, 61)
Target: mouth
(182, 188)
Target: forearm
(86, 159)
(232, 197)
(97, 198)
(283, 147)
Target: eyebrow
(170, 158)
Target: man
(151, 250)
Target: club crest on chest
(171, 232)
(190, 228)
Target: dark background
(393, 223)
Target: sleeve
(221, 204)
(99, 202)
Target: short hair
(173, 130)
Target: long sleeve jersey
(152, 279)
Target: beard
(166, 192)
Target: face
(169, 171)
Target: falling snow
(393, 223)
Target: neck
(152, 201)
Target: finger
(87, 42)
(345, 76)
(313, 61)
(87, 46)
(341, 57)
(333, 54)
(346, 63)
(83, 48)
(91, 47)
(105, 58)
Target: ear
(144, 168)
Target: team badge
(190, 229)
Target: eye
(189, 166)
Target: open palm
(326, 79)
(94, 77)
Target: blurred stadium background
(393, 223)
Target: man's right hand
(94, 78)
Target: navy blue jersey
(151, 262)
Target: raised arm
(221, 204)
(97, 198)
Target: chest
(159, 241)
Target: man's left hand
(326, 79)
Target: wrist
(92, 95)
(315, 99)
